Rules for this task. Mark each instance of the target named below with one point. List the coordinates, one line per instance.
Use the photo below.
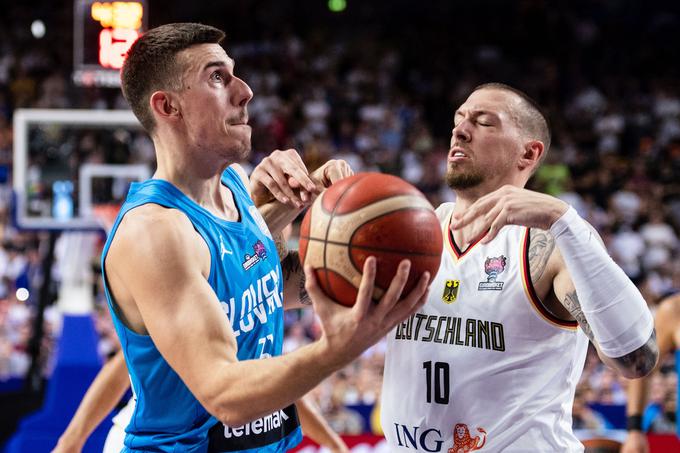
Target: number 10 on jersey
(437, 382)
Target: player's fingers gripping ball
(369, 214)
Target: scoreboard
(103, 33)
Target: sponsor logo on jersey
(258, 435)
(413, 437)
(450, 291)
(259, 253)
(259, 426)
(463, 442)
(421, 438)
(493, 266)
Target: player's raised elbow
(232, 416)
(640, 362)
(643, 367)
(229, 408)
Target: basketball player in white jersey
(492, 360)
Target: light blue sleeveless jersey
(245, 273)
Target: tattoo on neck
(541, 246)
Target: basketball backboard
(67, 161)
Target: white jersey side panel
(482, 366)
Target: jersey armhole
(530, 291)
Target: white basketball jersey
(482, 366)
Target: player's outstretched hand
(508, 205)
(348, 331)
(636, 442)
(282, 176)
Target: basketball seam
(328, 229)
(372, 249)
(350, 246)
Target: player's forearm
(247, 390)
(316, 428)
(277, 215)
(637, 396)
(607, 305)
(104, 393)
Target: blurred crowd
(383, 98)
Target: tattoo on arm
(541, 246)
(572, 304)
(281, 246)
(291, 266)
(304, 296)
(642, 361)
(639, 362)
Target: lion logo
(463, 442)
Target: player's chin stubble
(459, 180)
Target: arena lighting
(337, 6)
(38, 29)
(22, 294)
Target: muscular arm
(165, 277)
(632, 365)
(104, 393)
(609, 308)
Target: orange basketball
(369, 214)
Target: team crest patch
(463, 442)
(450, 291)
(493, 266)
(259, 253)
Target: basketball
(369, 214)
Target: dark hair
(531, 118)
(151, 63)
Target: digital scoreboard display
(103, 33)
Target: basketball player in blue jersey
(192, 275)
(667, 323)
(112, 382)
